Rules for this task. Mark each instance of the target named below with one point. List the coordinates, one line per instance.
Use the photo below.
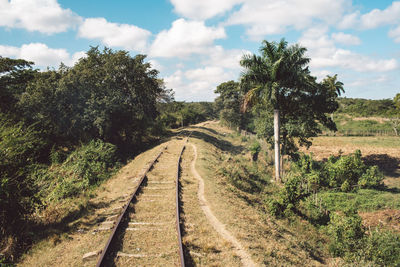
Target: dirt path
(218, 226)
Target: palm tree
(334, 86)
(267, 78)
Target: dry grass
(66, 247)
(270, 242)
(155, 204)
(203, 245)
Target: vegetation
(278, 82)
(64, 131)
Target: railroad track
(147, 231)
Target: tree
(14, 77)
(395, 116)
(107, 95)
(279, 82)
(228, 103)
(335, 86)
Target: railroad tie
(147, 223)
(143, 229)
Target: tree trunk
(277, 148)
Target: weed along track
(147, 231)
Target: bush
(349, 240)
(289, 197)
(85, 167)
(347, 234)
(255, 148)
(340, 173)
(20, 148)
(383, 248)
(243, 176)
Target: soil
(218, 226)
(389, 219)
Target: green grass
(362, 200)
(348, 126)
(387, 141)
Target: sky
(197, 44)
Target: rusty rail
(102, 257)
(178, 223)
(100, 262)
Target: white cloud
(156, 65)
(349, 20)
(377, 17)
(202, 9)
(395, 34)
(185, 38)
(45, 16)
(129, 37)
(41, 54)
(264, 17)
(229, 59)
(324, 53)
(373, 19)
(197, 84)
(346, 39)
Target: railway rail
(121, 225)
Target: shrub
(243, 176)
(85, 167)
(383, 248)
(347, 234)
(289, 197)
(341, 173)
(255, 148)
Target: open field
(383, 151)
(377, 207)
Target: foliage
(350, 240)
(289, 197)
(280, 79)
(244, 176)
(255, 148)
(341, 173)
(84, 167)
(15, 74)
(178, 114)
(366, 107)
(228, 104)
(107, 95)
(383, 248)
(20, 149)
(347, 234)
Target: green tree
(228, 103)
(14, 77)
(107, 95)
(395, 118)
(278, 82)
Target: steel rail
(178, 223)
(101, 260)
(104, 252)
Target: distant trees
(228, 104)
(279, 83)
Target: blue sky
(196, 44)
